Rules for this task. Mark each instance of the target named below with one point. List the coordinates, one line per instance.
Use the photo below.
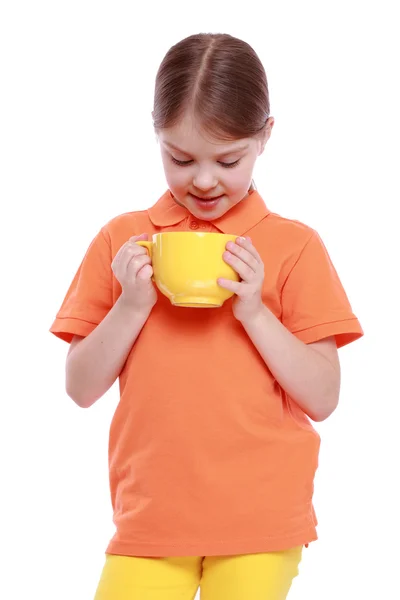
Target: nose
(205, 179)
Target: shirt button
(194, 225)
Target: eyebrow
(231, 151)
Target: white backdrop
(77, 148)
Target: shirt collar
(237, 221)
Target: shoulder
(119, 229)
(125, 221)
(125, 225)
(292, 229)
(283, 236)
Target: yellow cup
(187, 264)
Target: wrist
(130, 311)
(256, 317)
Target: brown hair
(219, 79)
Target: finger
(130, 251)
(145, 273)
(142, 236)
(246, 273)
(228, 284)
(133, 249)
(128, 247)
(124, 256)
(131, 244)
(247, 244)
(136, 263)
(244, 255)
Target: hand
(132, 268)
(245, 260)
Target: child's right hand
(132, 268)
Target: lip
(206, 198)
(207, 203)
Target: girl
(212, 452)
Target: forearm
(96, 362)
(305, 374)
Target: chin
(209, 215)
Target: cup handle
(147, 245)
(149, 248)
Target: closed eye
(185, 163)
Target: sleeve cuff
(345, 332)
(66, 328)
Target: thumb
(142, 236)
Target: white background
(77, 149)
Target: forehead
(187, 136)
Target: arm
(309, 373)
(94, 362)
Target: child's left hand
(245, 260)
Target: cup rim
(202, 233)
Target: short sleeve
(314, 303)
(89, 297)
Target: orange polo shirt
(207, 453)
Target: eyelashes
(185, 163)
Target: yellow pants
(244, 577)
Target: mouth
(206, 202)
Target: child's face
(205, 174)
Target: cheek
(172, 174)
(236, 178)
(176, 178)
